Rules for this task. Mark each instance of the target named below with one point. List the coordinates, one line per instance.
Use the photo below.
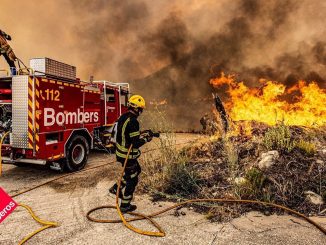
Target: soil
(67, 201)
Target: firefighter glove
(148, 138)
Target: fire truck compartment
(20, 112)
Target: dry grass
(210, 170)
(167, 170)
(231, 155)
(156, 120)
(306, 147)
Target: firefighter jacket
(128, 133)
(5, 47)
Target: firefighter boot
(113, 190)
(127, 208)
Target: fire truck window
(124, 99)
(53, 137)
(110, 95)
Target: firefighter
(6, 50)
(128, 133)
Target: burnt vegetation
(229, 167)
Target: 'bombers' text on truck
(61, 118)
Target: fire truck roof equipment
(47, 66)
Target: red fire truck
(53, 117)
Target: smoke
(106, 31)
(170, 41)
(272, 40)
(170, 49)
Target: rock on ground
(268, 159)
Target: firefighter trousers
(129, 181)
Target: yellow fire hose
(129, 226)
(139, 216)
(1, 142)
(46, 224)
(161, 232)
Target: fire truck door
(112, 109)
(123, 101)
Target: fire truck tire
(77, 153)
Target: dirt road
(67, 201)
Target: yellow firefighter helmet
(136, 101)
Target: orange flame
(267, 104)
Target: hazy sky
(80, 33)
(108, 38)
(176, 41)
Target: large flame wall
(302, 104)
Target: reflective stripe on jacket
(128, 133)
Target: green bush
(279, 138)
(253, 187)
(256, 178)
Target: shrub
(154, 164)
(180, 178)
(279, 138)
(252, 188)
(168, 170)
(231, 154)
(306, 147)
(256, 179)
(172, 175)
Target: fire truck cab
(48, 116)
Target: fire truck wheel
(77, 153)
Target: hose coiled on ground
(161, 233)
(138, 216)
(46, 224)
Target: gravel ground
(67, 201)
